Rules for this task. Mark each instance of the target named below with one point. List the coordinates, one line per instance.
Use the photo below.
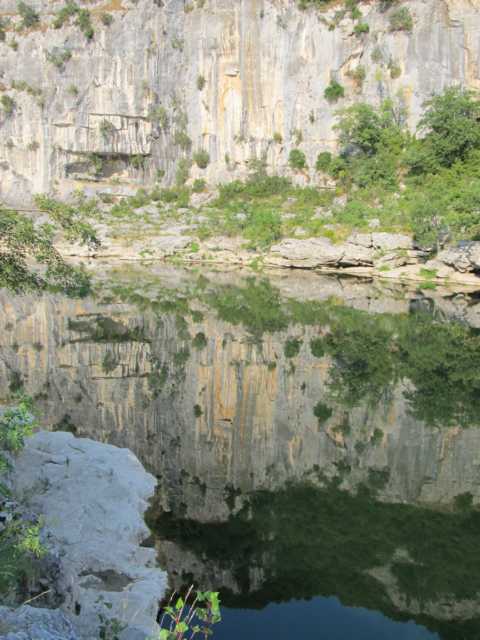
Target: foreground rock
(93, 497)
(28, 623)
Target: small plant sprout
(192, 617)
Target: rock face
(163, 81)
(93, 497)
(28, 623)
(360, 250)
(464, 258)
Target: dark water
(316, 441)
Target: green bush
(324, 161)
(106, 19)
(58, 57)
(360, 28)
(30, 18)
(201, 82)
(199, 185)
(8, 104)
(322, 412)
(401, 20)
(182, 140)
(201, 158)
(334, 91)
(450, 130)
(292, 347)
(84, 23)
(297, 159)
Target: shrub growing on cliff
(401, 20)
(201, 158)
(8, 104)
(30, 18)
(297, 159)
(334, 91)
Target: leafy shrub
(450, 128)
(201, 82)
(401, 20)
(263, 228)
(65, 13)
(107, 130)
(358, 75)
(292, 347)
(201, 158)
(360, 28)
(200, 341)
(324, 161)
(197, 614)
(182, 140)
(159, 115)
(199, 185)
(8, 104)
(30, 18)
(334, 91)
(106, 19)
(84, 23)
(58, 57)
(322, 412)
(297, 159)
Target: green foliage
(69, 10)
(19, 539)
(334, 91)
(183, 172)
(159, 115)
(84, 23)
(58, 57)
(292, 347)
(199, 185)
(107, 130)
(361, 28)
(8, 104)
(401, 20)
(182, 140)
(324, 161)
(201, 82)
(317, 348)
(16, 423)
(193, 615)
(322, 412)
(450, 129)
(297, 159)
(25, 245)
(201, 158)
(199, 341)
(30, 18)
(106, 18)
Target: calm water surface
(316, 440)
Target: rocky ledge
(92, 498)
(378, 254)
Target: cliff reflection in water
(311, 436)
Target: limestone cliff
(239, 79)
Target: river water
(316, 440)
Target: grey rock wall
(265, 63)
